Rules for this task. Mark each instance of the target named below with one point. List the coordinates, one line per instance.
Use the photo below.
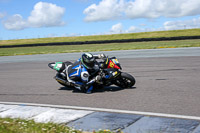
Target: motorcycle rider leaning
(81, 72)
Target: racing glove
(101, 56)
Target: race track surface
(164, 84)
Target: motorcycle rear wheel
(126, 80)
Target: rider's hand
(98, 78)
(101, 56)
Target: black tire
(126, 80)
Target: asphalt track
(167, 82)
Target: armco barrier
(104, 41)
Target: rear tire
(126, 80)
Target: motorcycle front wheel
(125, 81)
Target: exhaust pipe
(62, 81)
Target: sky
(24, 19)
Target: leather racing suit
(81, 77)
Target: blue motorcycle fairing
(90, 89)
(79, 75)
(77, 72)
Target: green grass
(156, 34)
(8, 125)
(98, 47)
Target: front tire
(126, 80)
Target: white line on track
(107, 110)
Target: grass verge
(8, 125)
(155, 34)
(98, 47)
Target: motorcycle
(109, 71)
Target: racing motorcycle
(109, 70)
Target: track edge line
(106, 110)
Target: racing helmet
(88, 60)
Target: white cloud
(2, 15)
(186, 24)
(107, 9)
(117, 28)
(46, 15)
(141, 9)
(169, 25)
(158, 8)
(117, 9)
(43, 15)
(133, 29)
(15, 22)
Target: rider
(82, 72)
